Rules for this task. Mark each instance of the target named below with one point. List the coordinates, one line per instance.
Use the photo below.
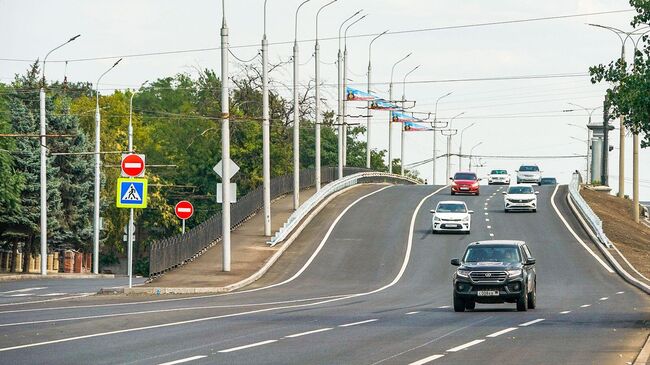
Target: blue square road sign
(131, 193)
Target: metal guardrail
(174, 251)
(585, 210)
(328, 190)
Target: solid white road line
(499, 333)
(51, 294)
(565, 312)
(188, 359)
(20, 295)
(358, 323)
(309, 332)
(414, 312)
(23, 290)
(526, 324)
(427, 360)
(12, 304)
(573, 233)
(464, 346)
(585, 306)
(603, 298)
(248, 346)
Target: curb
(608, 256)
(54, 276)
(644, 355)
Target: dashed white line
(414, 312)
(464, 346)
(20, 295)
(485, 208)
(426, 360)
(491, 234)
(526, 324)
(486, 213)
(620, 292)
(603, 298)
(489, 227)
(23, 290)
(444, 307)
(585, 306)
(309, 332)
(51, 294)
(262, 343)
(487, 219)
(358, 323)
(499, 333)
(184, 360)
(565, 312)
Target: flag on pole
(416, 127)
(381, 104)
(399, 117)
(358, 95)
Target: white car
(499, 177)
(451, 216)
(520, 197)
(529, 174)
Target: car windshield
(549, 180)
(529, 168)
(451, 208)
(508, 254)
(498, 172)
(520, 190)
(465, 176)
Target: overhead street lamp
(43, 161)
(471, 152)
(590, 112)
(390, 114)
(402, 124)
(318, 101)
(451, 132)
(635, 156)
(460, 146)
(435, 121)
(98, 162)
(345, 82)
(369, 117)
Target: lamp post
(43, 161)
(266, 132)
(225, 144)
(471, 152)
(635, 155)
(451, 132)
(590, 112)
(345, 83)
(460, 146)
(402, 124)
(296, 115)
(98, 163)
(369, 117)
(317, 163)
(339, 95)
(390, 114)
(435, 121)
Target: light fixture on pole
(369, 116)
(435, 122)
(402, 134)
(390, 114)
(43, 161)
(98, 162)
(449, 134)
(460, 146)
(345, 82)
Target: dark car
(465, 182)
(548, 181)
(495, 271)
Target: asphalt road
(374, 288)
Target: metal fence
(174, 251)
(585, 210)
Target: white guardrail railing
(322, 194)
(585, 210)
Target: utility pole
(225, 143)
(266, 132)
(345, 83)
(402, 154)
(435, 123)
(390, 114)
(369, 116)
(605, 151)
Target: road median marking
(427, 360)
(585, 306)
(603, 298)
(256, 344)
(565, 312)
(499, 333)
(359, 323)
(466, 345)
(414, 312)
(309, 332)
(526, 324)
(188, 359)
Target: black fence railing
(174, 251)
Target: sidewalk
(52, 275)
(249, 252)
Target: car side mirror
(537, 192)
(530, 261)
(504, 193)
(455, 262)
(433, 211)
(479, 179)
(516, 170)
(451, 178)
(470, 212)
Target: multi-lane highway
(367, 284)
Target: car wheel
(452, 193)
(534, 210)
(506, 211)
(459, 304)
(522, 301)
(470, 305)
(532, 298)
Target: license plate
(451, 225)
(488, 293)
(464, 188)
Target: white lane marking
(51, 294)
(585, 306)
(491, 234)
(23, 290)
(565, 312)
(573, 233)
(358, 323)
(499, 333)
(489, 227)
(427, 360)
(486, 213)
(188, 359)
(620, 292)
(51, 300)
(309, 332)
(486, 203)
(603, 298)
(485, 208)
(407, 257)
(444, 307)
(414, 312)
(20, 295)
(464, 346)
(526, 324)
(487, 219)
(248, 346)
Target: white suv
(520, 197)
(451, 216)
(498, 177)
(529, 174)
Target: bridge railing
(585, 210)
(174, 251)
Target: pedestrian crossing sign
(131, 193)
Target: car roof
(497, 243)
(466, 172)
(528, 185)
(452, 202)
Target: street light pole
(225, 144)
(266, 132)
(345, 83)
(460, 146)
(317, 163)
(471, 152)
(43, 161)
(98, 162)
(449, 134)
(435, 121)
(296, 115)
(390, 115)
(369, 117)
(402, 124)
(590, 112)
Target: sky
(525, 117)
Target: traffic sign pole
(183, 226)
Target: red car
(465, 183)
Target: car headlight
(435, 218)
(514, 273)
(462, 273)
(466, 219)
(474, 185)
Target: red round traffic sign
(132, 165)
(184, 209)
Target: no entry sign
(184, 209)
(132, 165)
